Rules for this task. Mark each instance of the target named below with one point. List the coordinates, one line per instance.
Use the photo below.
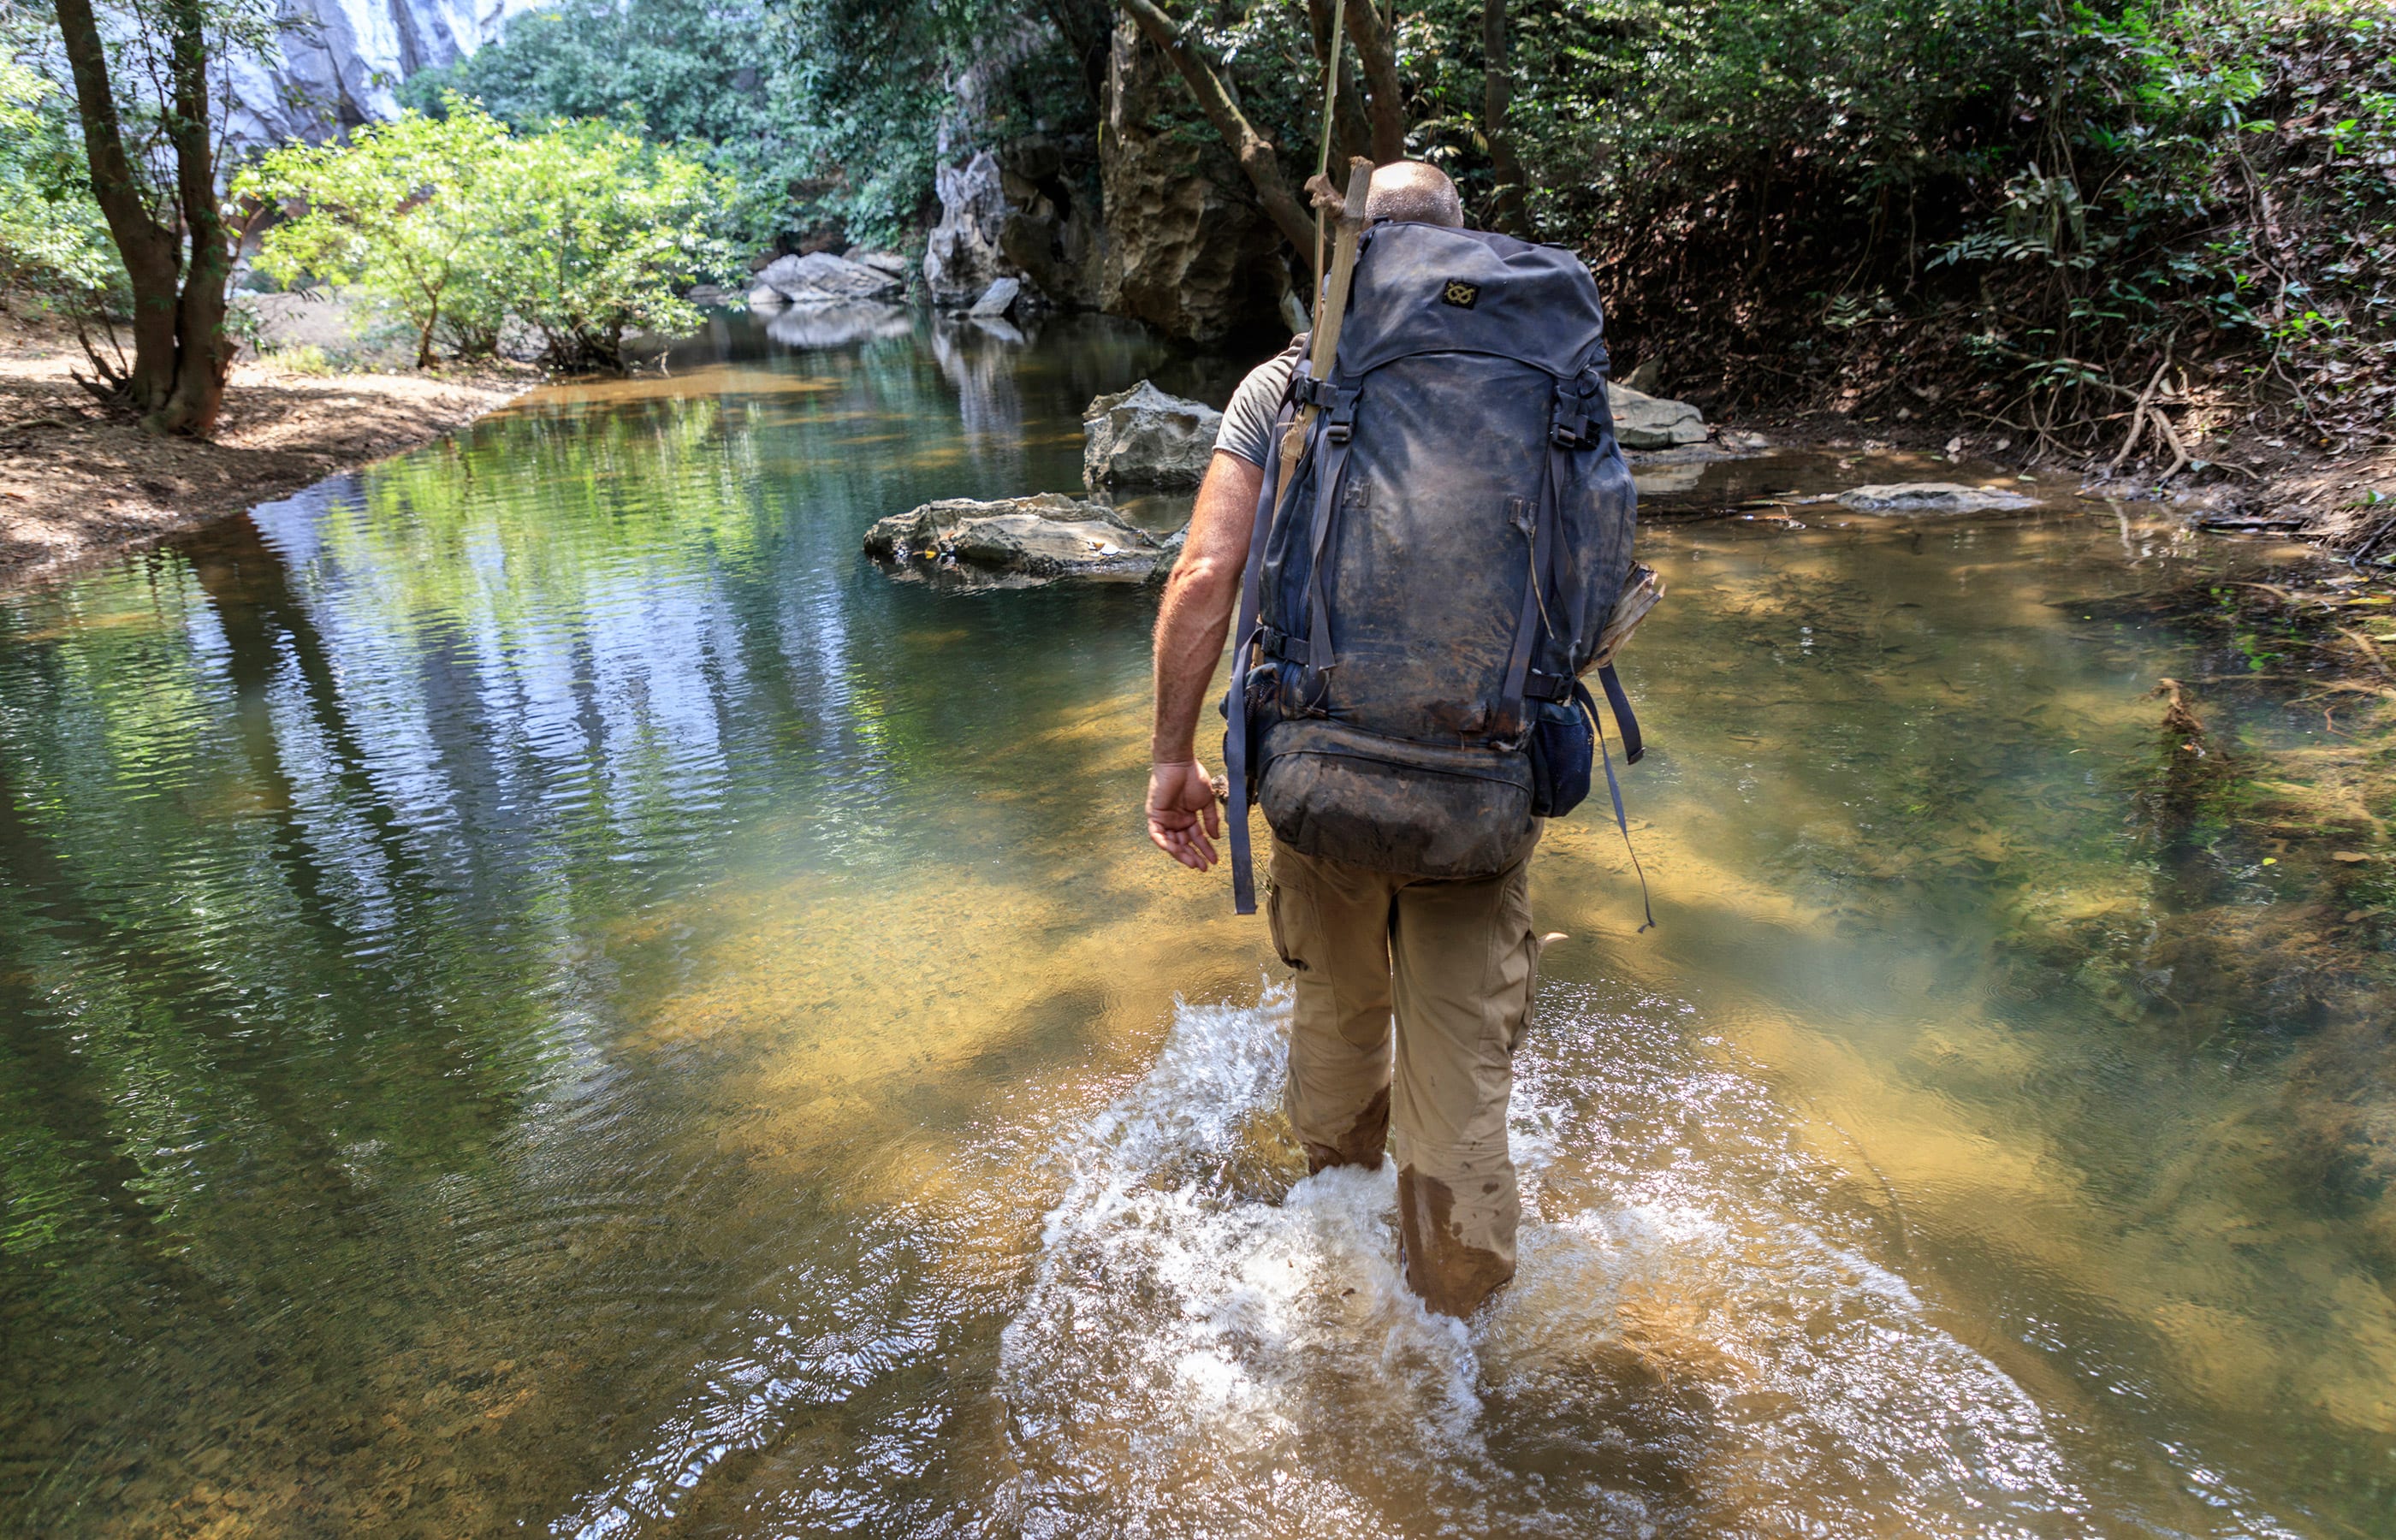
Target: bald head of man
(1414, 192)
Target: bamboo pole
(1332, 311)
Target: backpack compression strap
(1632, 744)
(1235, 703)
(1631, 749)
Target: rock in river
(1643, 421)
(821, 278)
(999, 297)
(1019, 542)
(1142, 437)
(890, 262)
(1930, 498)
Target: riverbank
(76, 484)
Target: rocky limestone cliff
(1187, 249)
(1020, 211)
(342, 60)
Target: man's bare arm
(1190, 627)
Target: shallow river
(540, 992)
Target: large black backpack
(1420, 602)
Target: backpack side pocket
(1563, 749)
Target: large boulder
(1142, 437)
(1187, 248)
(1013, 212)
(961, 257)
(1932, 497)
(879, 262)
(821, 278)
(1642, 422)
(1016, 541)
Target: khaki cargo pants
(1457, 962)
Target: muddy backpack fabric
(1420, 602)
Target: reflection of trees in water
(306, 829)
(326, 841)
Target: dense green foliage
(2035, 200)
(582, 231)
(53, 244)
(2018, 208)
(2054, 199)
(822, 112)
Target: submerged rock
(1930, 498)
(821, 278)
(1142, 437)
(1642, 422)
(1019, 542)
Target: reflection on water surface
(539, 990)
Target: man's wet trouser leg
(1457, 962)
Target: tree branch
(1251, 149)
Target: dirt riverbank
(78, 483)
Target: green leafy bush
(582, 231)
(54, 245)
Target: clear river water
(542, 993)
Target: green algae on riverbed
(540, 989)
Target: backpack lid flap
(1429, 288)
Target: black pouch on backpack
(1563, 749)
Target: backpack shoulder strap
(1236, 727)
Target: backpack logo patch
(1457, 292)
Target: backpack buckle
(1341, 425)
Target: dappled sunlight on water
(542, 991)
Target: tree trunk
(181, 352)
(1381, 61)
(1510, 210)
(1251, 149)
(203, 352)
(152, 262)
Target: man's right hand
(1181, 814)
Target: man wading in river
(1434, 523)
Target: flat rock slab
(1018, 542)
(821, 278)
(1930, 498)
(879, 262)
(1642, 422)
(1143, 437)
(999, 297)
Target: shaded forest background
(2029, 215)
(2022, 210)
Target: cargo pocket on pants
(1275, 897)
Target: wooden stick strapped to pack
(1324, 346)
